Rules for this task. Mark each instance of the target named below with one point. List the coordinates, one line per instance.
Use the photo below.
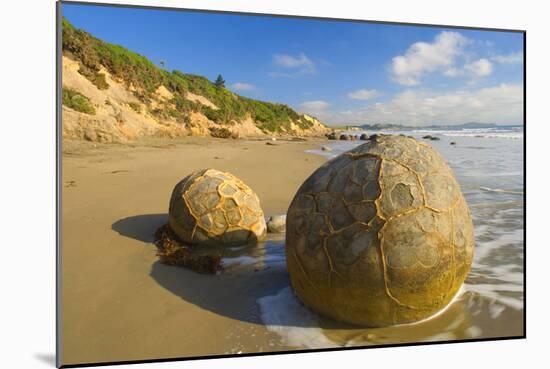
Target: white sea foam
(491, 291)
(285, 315)
(496, 309)
(505, 174)
(274, 259)
(240, 260)
(298, 326)
(473, 331)
(455, 298)
(500, 190)
(510, 133)
(496, 241)
(445, 336)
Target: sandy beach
(118, 302)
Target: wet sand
(118, 302)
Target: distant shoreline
(395, 127)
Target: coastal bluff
(111, 94)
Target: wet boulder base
(380, 235)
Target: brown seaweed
(171, 251)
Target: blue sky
(340, 72)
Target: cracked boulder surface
(380, 235)
(213, 208)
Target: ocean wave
(509, 135)
(492, 238)
(488, 291)
(500, 190)
(510, 203)
(513, 133)
(497, 271)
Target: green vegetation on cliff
(76, 101)
(144, 77)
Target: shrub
(143, 96)
(183, 105)
(100, 81)
(214, 115)
(220, 132)
(76, 101)
(135, 107)
(304, 123)
(165, 112)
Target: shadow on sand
(233, 293)
(140, 227)
(230, 295)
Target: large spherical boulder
(209, 207)
(380, 235)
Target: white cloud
(300, 62)
(514, 58)
(480, 68)
(452, 72)
(499, 104)
(241, 86)
(314, 106)
(363, 94)
(423, 57)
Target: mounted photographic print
(236, 184)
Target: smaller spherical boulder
(213, 208)
(276, 224)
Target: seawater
(488, 164)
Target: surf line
(499, 190)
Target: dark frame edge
(58, 143)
